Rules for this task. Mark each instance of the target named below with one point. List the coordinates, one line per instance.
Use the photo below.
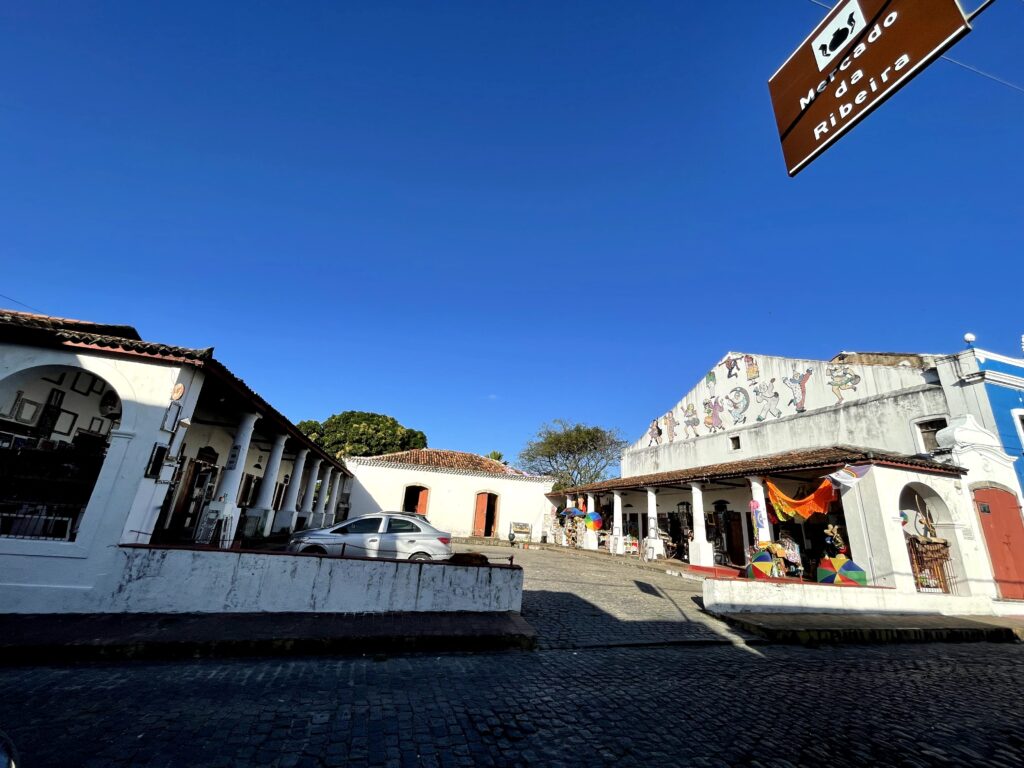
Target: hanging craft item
(841, 570)
(787, 508)
(850, 475)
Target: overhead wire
(966, 66)
(20, 303)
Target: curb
(813, 638)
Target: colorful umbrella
(760, 566)
(593, 521)
(841, 570)
(572, 512)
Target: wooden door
(421, 502)
(480, 518)
(1004, 534)
(734, 538)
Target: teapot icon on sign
(840, 36)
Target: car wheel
(314, 551)
(419, 556)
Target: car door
(400, 539)
(359, 537)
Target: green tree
(497, 456)
(574, 454)
(358, 433)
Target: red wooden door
(480, 519)
(1004, 535)
(421, 502)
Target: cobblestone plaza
(628, 672)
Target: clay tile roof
(83, 333)
(441, 459)
(790, 461)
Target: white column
(764, 530)
(231, 478)
(285, 518)
(618, 547)
(321, 497)
(306, 509)
(590, 538)
(265, 498)
(702, 552)
(653, 544)
(332, 502)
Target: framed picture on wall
(56, 378)
(171, 417)
(27, 412)
(96, 425)
(82, 383)
(97, 386)
(65, 423)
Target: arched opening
(55, 424)
(191, 490)
(934, 559)
(485, 520)
(415, 500)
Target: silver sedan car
(393, 535)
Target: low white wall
(752, 596)
(224, 581)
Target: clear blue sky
(478, 216)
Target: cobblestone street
(629, 673)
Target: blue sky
(479, 216)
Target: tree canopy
(574, 454)
(358, 433)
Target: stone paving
(577, 702)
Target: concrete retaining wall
(204, 581)
(749, 596)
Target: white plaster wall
(143, 580)
(884, 423)
(52, 574)
(751, 596)
(769, 375)
(452, 502)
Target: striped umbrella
(841, 570)
(760, 566)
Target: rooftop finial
(969, 339)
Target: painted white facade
(183, 402)
(380, 486)
(753, 406)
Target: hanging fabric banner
(850, 475)
(787, 508)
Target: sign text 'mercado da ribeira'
(861, 54)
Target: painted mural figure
(690, 420)
(732, 367)
(753, 371)
(670, 426)
(765, 393)
(739, 402)
(711, 380)
(654, 431)
(840, 377)
(797, 383)
(713, 414)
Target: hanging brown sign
(862, 53)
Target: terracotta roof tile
(442, 459)
(790, 461)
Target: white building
(466, 494)
(107, 440)
(918, 522)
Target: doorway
(485, 521)
(1004, 535)
(415, 500)
(178, 521)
